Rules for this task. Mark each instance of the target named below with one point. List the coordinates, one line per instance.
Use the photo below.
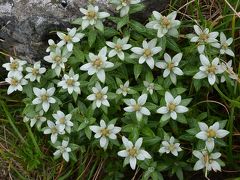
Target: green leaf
(137, 70)
(88, 132)
(149, 141)
(186, 102)
(137, 26)
(79, 55)
(123, 21)
(179, 173)
(92, 35)
(146, 131)
(136, 8)
(171, 44)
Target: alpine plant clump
(133, 88)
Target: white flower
(150, 86)
(204, 37)
(97, 64)
(170, 146)
(99, 96)
(133, 152)
(54, 130)
(44, 97)
(147, 52)
(124, 5)
(124, 88)
(16, 82)
(57, 58)
(52, 46)
(93, 17)
(164, 24)
(137, 107)
(63, 120)
(38, 119)
(118, 47)
(35, 72)
(63, 150)
(105, 133)
(209, 69)
(70, 82)
(209, 134)
(172, 106)
(229, 69)
(207, 160)
(225, 43)
(70, 38)
(15, 67)
(170, 66)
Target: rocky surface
(26, 25)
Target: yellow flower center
(70, 82)
(224, 45)
(132, 152)
(97, 63)
(91, 14)
(206, 158)
(44, 97)
(171, 106)
(118, 47)
(14, 65)
(211, 133)
(67, 38)
(136, 107)
(165, 21)
(99, 96)
(211, 69)
(147, 52)
(170, 66)
(62, 120)
(14, 82)
(54, 130)
(203, 36)
(105, 132)
(58, 59)
(125, 89)
(35, 71)
(171, 147)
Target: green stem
(33, 139)
(11, 121)
(230, 129)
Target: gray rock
(26, 25)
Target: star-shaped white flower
(63, 120)
(38, 120)
(70, 38)
(57, 59)
(70, 82)
(99, 96)
(173, 107)
(93, 17)
(229, 69)
(147, 52)
(170, 146)
(149, 86)
(209, 69)
(118, 47)
(133, 152)
(44, 97)
(105, 132)
(52, 45)
(225, 43)
(124, 5)
(97, 64)
(16, 82)
(137, 106)
(124, 89)
(15, 67)
(54, 130)
(170, 66)
(209, 134)
(207, 161)
(35, 72)
(164, 24)
(63, 150)
(204, 37)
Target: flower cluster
(129, 80)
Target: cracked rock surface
(26, 25)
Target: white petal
(133, 162)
